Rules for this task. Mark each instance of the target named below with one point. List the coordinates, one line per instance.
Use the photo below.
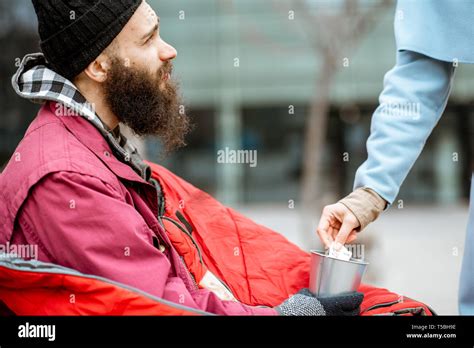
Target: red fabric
(65, 158)
(186, 249)
(380, 301)
(65, 192)
(260, 266)
(264, 269)
(32, 293)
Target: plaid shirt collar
(36, 82)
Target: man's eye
(151, 37)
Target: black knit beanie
(75, 32)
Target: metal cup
(330, 276)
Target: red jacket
(64, 191)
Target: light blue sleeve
(414, 97)
(441, 29)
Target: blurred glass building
(248, 71)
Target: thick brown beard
(137, 100)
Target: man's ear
(98, 69)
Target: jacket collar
(89, 136)
(36, 82)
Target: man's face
(139, 89)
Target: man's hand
(340, 222)
(304, 303)
(337, 224)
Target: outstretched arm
(414, 97)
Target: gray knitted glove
(301, 305)
(305, 304)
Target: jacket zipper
(381, 305)
(188, 232)
(177, 224)
(187, 229)
(189, 272)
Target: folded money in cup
(341, 254)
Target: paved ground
(415, 251)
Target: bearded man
(75, 186)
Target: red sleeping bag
(259, 267)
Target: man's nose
(167, 52)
